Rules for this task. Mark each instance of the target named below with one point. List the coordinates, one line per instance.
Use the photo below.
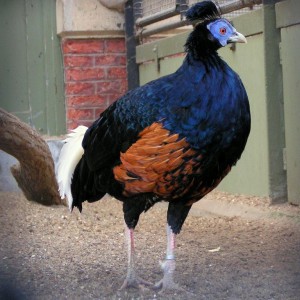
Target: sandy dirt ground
(48, 253)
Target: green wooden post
(31, 73)
(288, 22)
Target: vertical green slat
(274, 113)
(13, 68)
(31, 72)
(54, 108)
(288, 21)
(58, 73)
(291, 70)
(35, 61)
(48, 65)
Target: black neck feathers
(201, 46)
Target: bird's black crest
(202, 10)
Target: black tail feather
(83, 186)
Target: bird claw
(135, 282)
(166, 286)
(167, 282)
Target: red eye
(222, 30)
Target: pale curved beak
(237, 38)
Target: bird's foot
(165, 285)
(132, 280)
(167, 282)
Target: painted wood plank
(287, 13)
(291, 92)
(31, 72)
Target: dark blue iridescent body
(204, 102)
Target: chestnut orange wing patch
(160, 163)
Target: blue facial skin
(221, 30)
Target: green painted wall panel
(288, 22)
(250, 175)
(287, 13)
(274, 96)
(167, 46)
(35, 60)
(291, 79)
(31, 76)
(13, 57)
(150, 71)
(53, 66)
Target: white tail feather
(69, 157)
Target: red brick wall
(95, 76)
